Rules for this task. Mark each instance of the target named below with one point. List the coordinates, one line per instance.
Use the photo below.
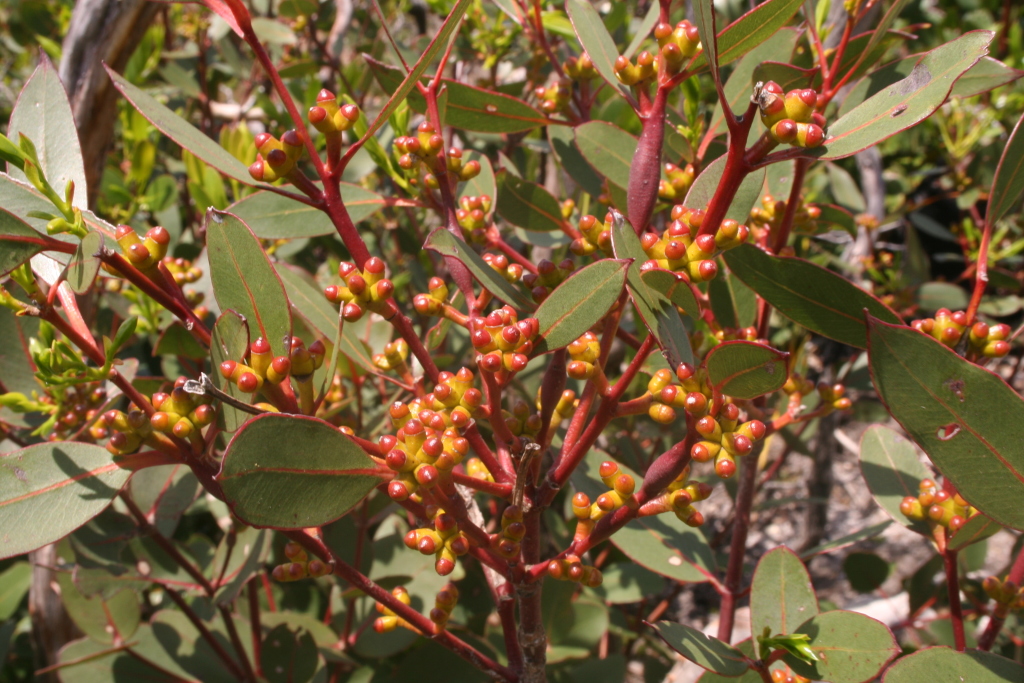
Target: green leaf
(906, 102)
(706, 184)
(978, 528)
(437, 44)
(851, 648)
(469, 107)
(740, 86)
(866, 572)
(85, 263)
(975, 666)
(676, 290)
(178, 341)
(746, 370)
(984, 76)
(704, 18)
(43, 115)
(597, 42)
(807, 294)
(572, 161)
(447, 244)
(733, 303)
(657, 311)
(238, 557)
(892, 471)
(50, 489)
(86, 661)
(752, 29)
(608, 149)
(244, 280)
(844, 541)
(781, 594)
(528, 205)
(309, 303)
(968, 421)
(175, 645)
(17, 371)
(164, 493)
(751, 676)
(575, 305)
(626, 583)
(835, 217)
(20, 242)
(288, 657)
(229, 341)
(182, 132)
(884, 24)
(97, 618)
(14, 583)
(1008, 184)
(703, 650)
(273, 216)
(273, 456)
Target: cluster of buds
(330, 119)
(181, 413)
(507, 542)
(128, 430)
(476, 468)
(511, 272)
(390, 621)
(693, 395)
(503, 342)
(368, 290)
(570, 568)
(143, 253)
(547, 277)
(791, 119)
(583, 356)
(564, 408)
(786, 675)
(182, 270)
(620, 492)
(983, 340)
(940, 508)
(832, 397)
(677, 44)
(434, 301)
(262, 366)
(644, 70)
(80, 405)
(769, 216)
(1006, 593)
(725, 438)
(555, 97)
(521, 421)
(299, 565)
(678, 183)
(681, 249)
(444, 602)
(679, 498)
(394, 357)
(734, 333)
(445, 542)
(276, 158)
(472, 216)
(424, 148)
(581, 68)
(593, 236)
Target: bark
(101, 31)
(51, 626)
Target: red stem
(956, 614)
(645, 171)
(738, 547)
(981, 274)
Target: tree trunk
(101, 31)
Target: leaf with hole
(578, 303)
(447, 244)
(807, 294)
(657, 311)
(746, 370)
(50, 489)
(703, 650)
(274, 455)
(245, 281)
(906, 102)
(967, 419)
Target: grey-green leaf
(703, 650)
(579, 302)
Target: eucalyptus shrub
(479, 428)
